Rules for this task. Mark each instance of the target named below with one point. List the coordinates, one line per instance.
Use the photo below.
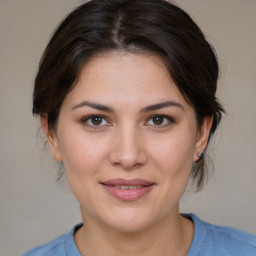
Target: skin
(128, 143)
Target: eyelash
(169, 119)
(85, 120)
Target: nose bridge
(128, 150)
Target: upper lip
(124, 182)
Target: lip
(124, 182)
(130, 194)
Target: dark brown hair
(150, 26)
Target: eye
(95, 120)
(160, 120)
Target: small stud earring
(200, 155)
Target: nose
(128, 150)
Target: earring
(200, 155)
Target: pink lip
(127, 194)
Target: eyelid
(170, 119)
(86, 118)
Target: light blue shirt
(208, 240)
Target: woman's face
(128, 140)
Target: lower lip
(127, 194)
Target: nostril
(127, 163)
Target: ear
(51, 138)
(202, 137)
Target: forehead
(125, 78)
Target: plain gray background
(34, 209)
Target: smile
(128, 187)
(127, 190)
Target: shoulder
(62, 246)
(55, 247)
(230, 241)
(232, 235)
(220, 240)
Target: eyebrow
(162, 105)
(143, 110)
(94, 105)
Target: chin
(130, 227)
(130, 220)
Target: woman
(126, 96)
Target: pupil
(97, 120)
(158, 120)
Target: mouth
(127, 190)
(127, 187)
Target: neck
(173, 234)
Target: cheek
(174, 153)
(82, 154)
(172, 158)
(83, 158)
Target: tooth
(127, 187)
(134, 187)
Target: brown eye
(158, 120)
(96, 120)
